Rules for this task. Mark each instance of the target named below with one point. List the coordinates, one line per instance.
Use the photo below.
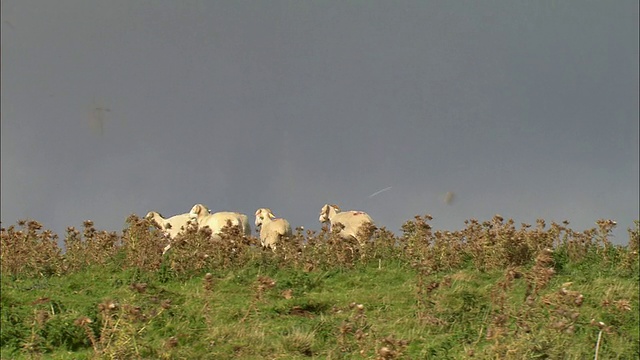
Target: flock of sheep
(272, 229)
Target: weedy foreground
(491, 290)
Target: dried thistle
(171, 342)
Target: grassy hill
(488, 291)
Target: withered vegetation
(489, 290)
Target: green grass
(489, 291)
(229, 321)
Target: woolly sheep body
(352, 221)
(272, 230)
(178, 223)
(217, 221)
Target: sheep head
(259, 217)
(198, 211)
(261, 214)
(328, 210)
(155, 216)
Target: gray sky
(526, 109)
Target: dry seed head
(345, 328)
(133, 311)
(42, 316)
(432, 286)
(360, 334)
(561, 312)
(470, 353)
(41, 300)
(287, 294)
(530, 300)
(139, 287)
(623, 305)
(34, 225)
(208, 282)
(82, 321)
(385, 352)
(166, 304)
(266, 281)
(606, 223)
(599, 324)
(490, 334)
(171, 342)
(107, 305)
(563, 291)
(558, 325)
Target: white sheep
(272, 230)
(351, 221)
(217, 221)
(171, 226)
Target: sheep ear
(257, 212)
(271, 215)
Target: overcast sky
(526, 109)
